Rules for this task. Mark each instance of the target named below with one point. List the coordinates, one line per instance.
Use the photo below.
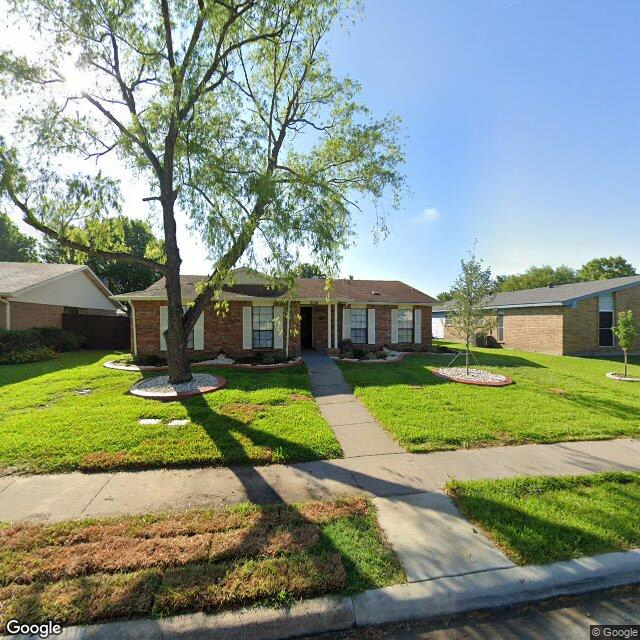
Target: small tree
(627, 333)
(468, 312)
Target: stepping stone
(433, 540)
(178, 423)
(149, 421)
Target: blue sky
(522, 130)
(521, 126)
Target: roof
(352, 291)
(18, 276)
(562, 294)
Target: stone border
(428, 600)
(168, 397)
(620, 376)
(137, 368)
(477, 383)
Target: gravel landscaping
(620, 376)
(474, 376)
(159, 387)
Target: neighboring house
(371, 313)
(37, 295)
(564, 319)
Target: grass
(260, 417)
(554, 399)
(158, 565)
(541, 520)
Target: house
(559, 319)
(40, 295)
(258, 317)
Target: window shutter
(277, 327)
(346, 324)
(198, 333)
(371, 322)
(164, 323)
(247, 334)
(417, 326)
(394, 326)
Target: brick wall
(629, 300)
(25, 315)
(221, 332)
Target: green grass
(259, 417)
(541, 520)
(554, 399)
(164, 564)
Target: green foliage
(444, 296)
(604, 268)
(15, 246)
(30, 354)
(535, 277)
(54, 338)
(112, 234)
(306, 270)
(626, 330)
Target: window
(500, 327)
(359, 326)
(606, 325)
(190, 340)
(262, 326)
(405, 325)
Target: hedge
(38, 340)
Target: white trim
(328, 325)
(135, 330)
(7, 316)
(278, 322)
(417, 326)
(346, 324)
(247, 327)
(605, 302)
(394, 326)
(335, 325)
(164, 321)
(371, 326)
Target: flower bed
(216, 362)
(159, 388)
(392, 356)
(478, 377)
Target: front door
(306, 328)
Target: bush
(381, 355)
(346, 346)
(151, 360)
(53, 338)
(30, 354)
(358, 353)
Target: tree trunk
(466, 356)
(176, 336)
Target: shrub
(29, 354)
(358, 353)
(53, 338)
(150, 360)
(345, 346)
(380, 355)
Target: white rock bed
(474, 375)
(620, 376)
(161, 385)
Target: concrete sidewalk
(72, 495)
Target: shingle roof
(556, 295)
(16, 276)
(357, 291)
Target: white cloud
(432, 213)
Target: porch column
(335, 325)
(328, 325)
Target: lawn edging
(428, 600)
(140, 368)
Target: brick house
(40, 295)
(258, 317)
(569, 319)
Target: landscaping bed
(160, 565)
(541, 520)
(128, 364)
(555, 399)
(73, 414)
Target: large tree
(535, 277)
(226, 109)
(604, 268)
(15, 246)
(111, 234)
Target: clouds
(428, 215)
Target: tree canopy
(535, 277)
(604, 268)
(112, 234)
(15, 246)
(306, 270)
(226, 110)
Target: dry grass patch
(91, 570)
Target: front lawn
(207, 560)
(542, 520)
(47, 424)
(554, 399)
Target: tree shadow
(613, 408)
